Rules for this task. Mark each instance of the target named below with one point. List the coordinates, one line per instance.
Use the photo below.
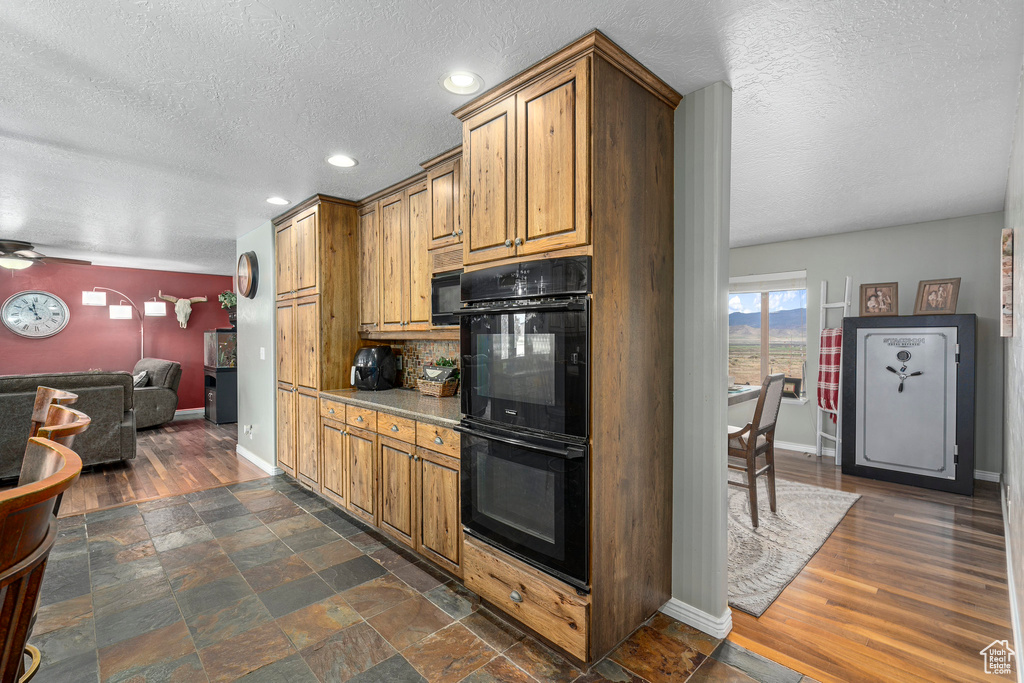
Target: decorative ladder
(837, 438)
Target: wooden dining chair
(757, 439)
(45, 397)
(28, 530)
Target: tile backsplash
(417, 353)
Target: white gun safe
(908, 400)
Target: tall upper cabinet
(318, 306)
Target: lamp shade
(156, 308)
(94, 298)
(120, 312)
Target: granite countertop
(409, 403)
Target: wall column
(702, 178)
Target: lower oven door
(528, 497)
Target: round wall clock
(247, 275)
(35, 314)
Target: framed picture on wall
(879, 298)
(791, 387)
(937, 297)
(1006, 284)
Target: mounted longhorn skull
(182, 307)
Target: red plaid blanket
(829, 367)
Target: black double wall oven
(525, 337)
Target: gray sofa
(106, 397)
(157, 399)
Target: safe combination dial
(902, 356)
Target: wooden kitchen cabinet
(398, 490)
(394, 274)
(286, 428)
(445, 184)
(488, 162)
(417, 257)
(369, 268)
(333, 465)
(439, 528)
(361, 461)
(553, 162)
(317, 248)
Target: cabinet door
(394, 273)
(286, 341)
(284, 257)
(307, 427)
(286, 429)
(553, 162)
(369, 268)
(445, 197)
(440, 528)
(332, 461)
(307, 343)
(488, 162)
(397, 484)
(417, 305)
(361, 456)
(306, 261)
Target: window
(768, 327)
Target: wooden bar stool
(28, 530)
(755, 439)
(46, 396)
(61, 426)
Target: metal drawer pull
(508, 243)
(394, 428)
(514, 596)
(438, 441)
(359, 418)
(331, 411)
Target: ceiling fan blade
(71, 261)
(28, 253)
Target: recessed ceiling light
(462, 82)
(277, 200)
(342, 161)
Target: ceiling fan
(18, 255)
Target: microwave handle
(575, 305)
(567, 453)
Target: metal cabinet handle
(455, 233)
(519, 241)
(394, 428)
(331, 411)
(508, 243)
(514, 596)
(359, 418)
(460, 231)
(438, 441)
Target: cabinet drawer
(439, 439)
(332, 410)
(401, 428)
(361, 417)
(554, 612)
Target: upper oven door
(525, 364)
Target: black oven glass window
(518, 496)
(522, 361)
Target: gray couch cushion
(161, 373)
(70, 381)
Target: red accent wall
(92, 341)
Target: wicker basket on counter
(428, 387)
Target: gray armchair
(157, 399)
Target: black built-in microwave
(446, 298)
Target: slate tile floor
(263, 581)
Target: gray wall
(965, 247)
(703, 132)
(1013, 449)
(256, 379)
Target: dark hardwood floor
(909, 587)
(179, 457)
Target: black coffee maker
(375, 368)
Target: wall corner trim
(1015, 606)
(719, 627)
(258, 461)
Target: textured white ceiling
(151, 132)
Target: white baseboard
(1011, 554)
(257, 460)
(718, 627)
(189, 412)
(830, 453)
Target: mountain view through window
(784, 313)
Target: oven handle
(567, 453)
(574, 305)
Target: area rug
(763, 561)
